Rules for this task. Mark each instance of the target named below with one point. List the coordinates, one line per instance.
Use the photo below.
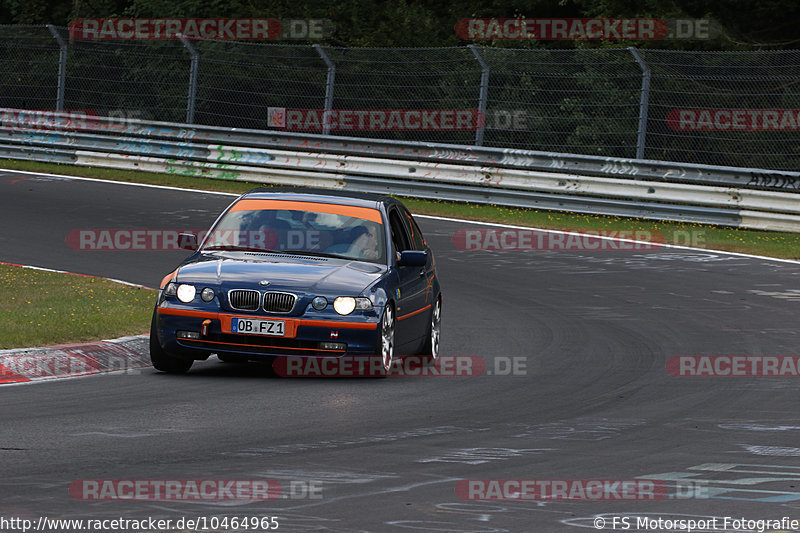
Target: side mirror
(187, 241)
(413, 258)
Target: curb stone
(20, 365)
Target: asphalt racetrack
(591, 398)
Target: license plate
(249, 326)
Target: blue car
(301, 274)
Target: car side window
(399, 236)
(417, 240)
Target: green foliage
(430, 23)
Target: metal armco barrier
(753, 198)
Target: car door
(413, 284)
(419, 243)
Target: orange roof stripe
(252, 204)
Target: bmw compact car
(301, 274)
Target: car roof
(328, 196)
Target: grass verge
(41, 308)
(766, 243)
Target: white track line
(588, 234)
(447, 219)
(31, 267)
(50, 379)
(148, 185)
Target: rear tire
(431, 348)
(162, 360)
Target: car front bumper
(358, 335)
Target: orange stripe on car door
(414, 313)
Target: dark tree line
(766, 24)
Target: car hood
(296, 274)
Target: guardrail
(730, 196)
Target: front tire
(386, 341)
(162, 360)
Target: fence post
(62, 67)
(326, 124)
(484, 94)
(193, 68)
(644, 102)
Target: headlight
(207, 294)
(186, 293)
(344, 305)
(171, 289)
(319, 303)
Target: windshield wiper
(236, 248)
(315, 254)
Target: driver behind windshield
(366, 244)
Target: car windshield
(300, 228)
